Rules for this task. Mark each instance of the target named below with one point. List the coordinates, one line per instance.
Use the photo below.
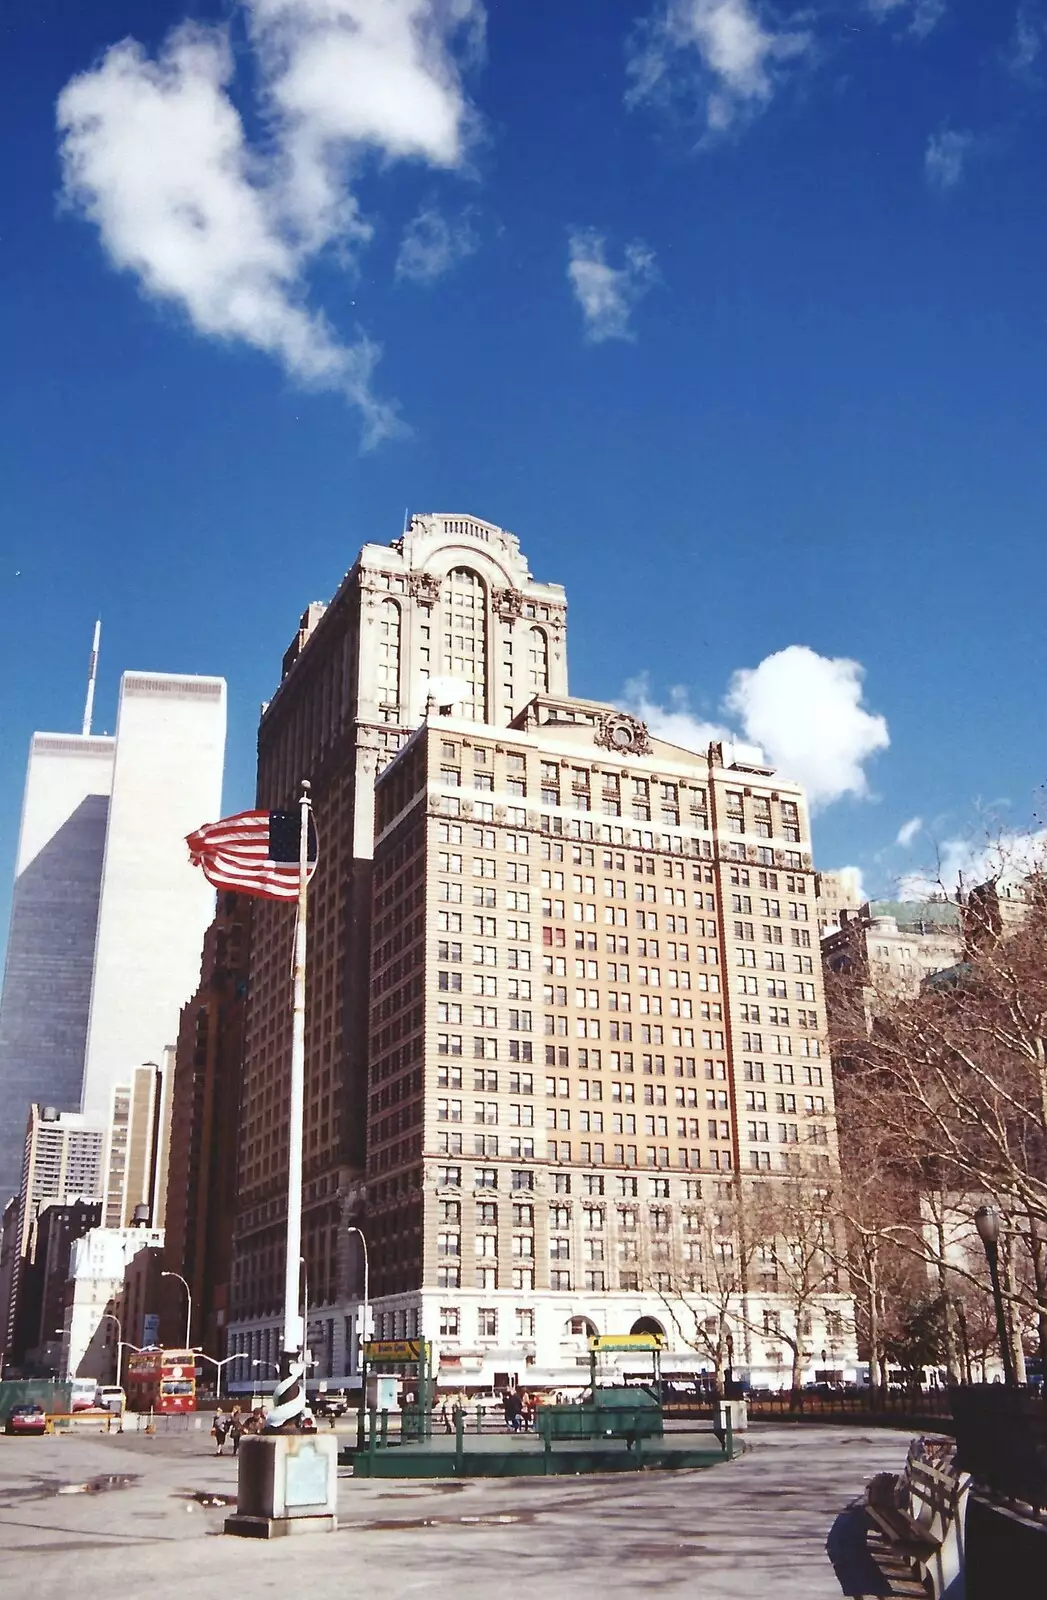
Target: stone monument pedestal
(287, 1483)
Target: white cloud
(803, 709)
(725, 54)
(431, 246)
(342, 77)
(806, 711)
(606, 294)
(922, 16)
(852, 883)
(676, 721)
(908, 831)
(155, 153)
(945, 156)
(1008, 855)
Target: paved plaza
(135, 1515)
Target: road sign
(394, 1349)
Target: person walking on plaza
(219, 1431)
(236, 1428)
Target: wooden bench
(921, 1513)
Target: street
(142, 1515)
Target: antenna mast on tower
(92, 673)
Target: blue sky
(734, 313)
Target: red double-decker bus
(161, 1380)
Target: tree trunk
(874, 1323)
(1014, 1331)
(952, 1368)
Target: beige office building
(593, 1004)
(452, 599)
(596, 1005)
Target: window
(450, 1322)
(487, 1322)
(449, 1177)
(524, 1324)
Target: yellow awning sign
(599, 1342)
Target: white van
(111, 1398)
(82, 1393)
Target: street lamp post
(240, 1355)
(987, 1222)
(112, 1317)
(365, 1320)
(188, 1305)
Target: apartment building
(597, 1019)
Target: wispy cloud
(908, 831)
(920, 17)
(156, 155)
(607, 294)
(805, 710)
(1008, 855)
(432, 245)
(723, 56)
(945, 157)
(1026, 42)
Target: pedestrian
(528, 1412)
(219, 1431)
(507, 1409)
(516, 1410)
(236, 1428)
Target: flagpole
(289, 1396)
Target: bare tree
(956, 1081)
(700, 1277)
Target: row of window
(594, 1152)
(485, 1114)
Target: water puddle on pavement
(48, 1488)
(100, 1485)
(398, 1525)
(206, 1497)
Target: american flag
(255, 852)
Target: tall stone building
(107, 913)
(51, 944)
(596, 1006)
(887, 948)
(136, 1150)
(588, 961)
(453, 599)
(153, 907)
(205, 1124)
(62, 1162)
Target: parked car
(330, 1403)
(27, 1419)
(111, 1398)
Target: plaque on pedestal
(287, 1483)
